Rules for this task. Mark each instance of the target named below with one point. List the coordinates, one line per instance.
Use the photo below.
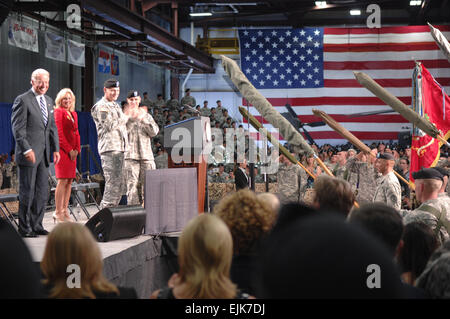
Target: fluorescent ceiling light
(355, 12)
(200, 14)
(415, 2)
(321, 4)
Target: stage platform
(143, 262)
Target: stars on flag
(283, 58)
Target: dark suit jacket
(19, 275)
(29, 130)
(240, 179)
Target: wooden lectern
(188, 144)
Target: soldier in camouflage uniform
(110, 122)
(173, 104)
(139, 156)
(388, 190)
(159, 103)
(340, 168)
(205, 111)
(221, 176)
(433, 211)
(10, 170)
(161, 159)
(443, 197)
(289, 181)
(188, 99)
(148, 102)
(159, 118)
(362, 176)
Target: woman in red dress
(69, 143)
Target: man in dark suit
(36, 136)
(241, 177)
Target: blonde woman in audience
(73, 244)
(205, 250)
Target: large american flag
(313, 68)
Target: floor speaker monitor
(114, 223)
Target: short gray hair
(37, 72)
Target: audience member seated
(386, 224)
(249, 220)
(205, 250)
(19, 277)
(333, 194)
(291, 212)
(73, 244)
(322, 256)
(419, 242)
(435, 279)
(271, 200)
(382, 221)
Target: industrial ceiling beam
(33, 6)
(136, 23)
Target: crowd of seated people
(251, 246)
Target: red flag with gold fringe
(430, 101)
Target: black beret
(387, 156)
(111, 83)
(442, 170)
(132, 94)
(187, 90)
(217, 101)
(428, 173)
(144, 104)
(159, 95)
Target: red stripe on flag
(393, 83)
(377, 136)
(380, 118)
(406, 29)
(312, 101)
(383, 65)
(379, 47)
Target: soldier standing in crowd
(340, 168)
(205, 111)
(139, 156)
(218, 115)
(10, 170)
(147, 101)
(173, 103)
(403, 170)
(161, 159)
(110, 122)
(188, 99)
(388, 190)
(362, 176)
(443, 197)
(428, 183)
(289, 181)
(221, 176)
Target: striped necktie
(43, 110)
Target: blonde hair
(72, 243)
(205, 251)
(271, 200)
(61, 94)
(248, 219)
(432, 185)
